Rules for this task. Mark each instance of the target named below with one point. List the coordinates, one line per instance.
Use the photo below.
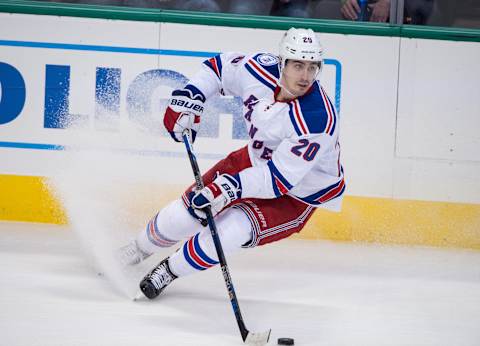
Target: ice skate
(131, 254)
(155, 282)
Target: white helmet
(300, 44)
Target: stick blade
(258, 339)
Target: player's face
(298, 75)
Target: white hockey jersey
(293, 146)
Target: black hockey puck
(285, 341)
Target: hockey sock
(199, 253)
(165, 229)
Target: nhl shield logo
(267, 59)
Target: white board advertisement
(76, 83)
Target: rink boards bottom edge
(365, 219)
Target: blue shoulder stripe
(316, 111)
(269, 62)
(264, 68)
(259, 78)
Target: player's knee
(234, 230)
(174, 222)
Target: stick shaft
(216, 240)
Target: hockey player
(265, 191)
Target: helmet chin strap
(280, 84)
(282, 69)
(286, 89)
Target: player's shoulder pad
(269, 62)
(265, 68)
(313, 112)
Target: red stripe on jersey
(298, 116)
(282, 188)
(332, 114)
(329, 111)
(332, 193)
(262, 72)
(215, 66)
(195, 257)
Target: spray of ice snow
(107, 184)
(103, 186)
(97, 189)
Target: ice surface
(317, 292)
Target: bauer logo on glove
(229, 193)
(221, 192)
(183, 112)
(187, 105)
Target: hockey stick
(248, 337)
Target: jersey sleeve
(220, 74)
(292, 160)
